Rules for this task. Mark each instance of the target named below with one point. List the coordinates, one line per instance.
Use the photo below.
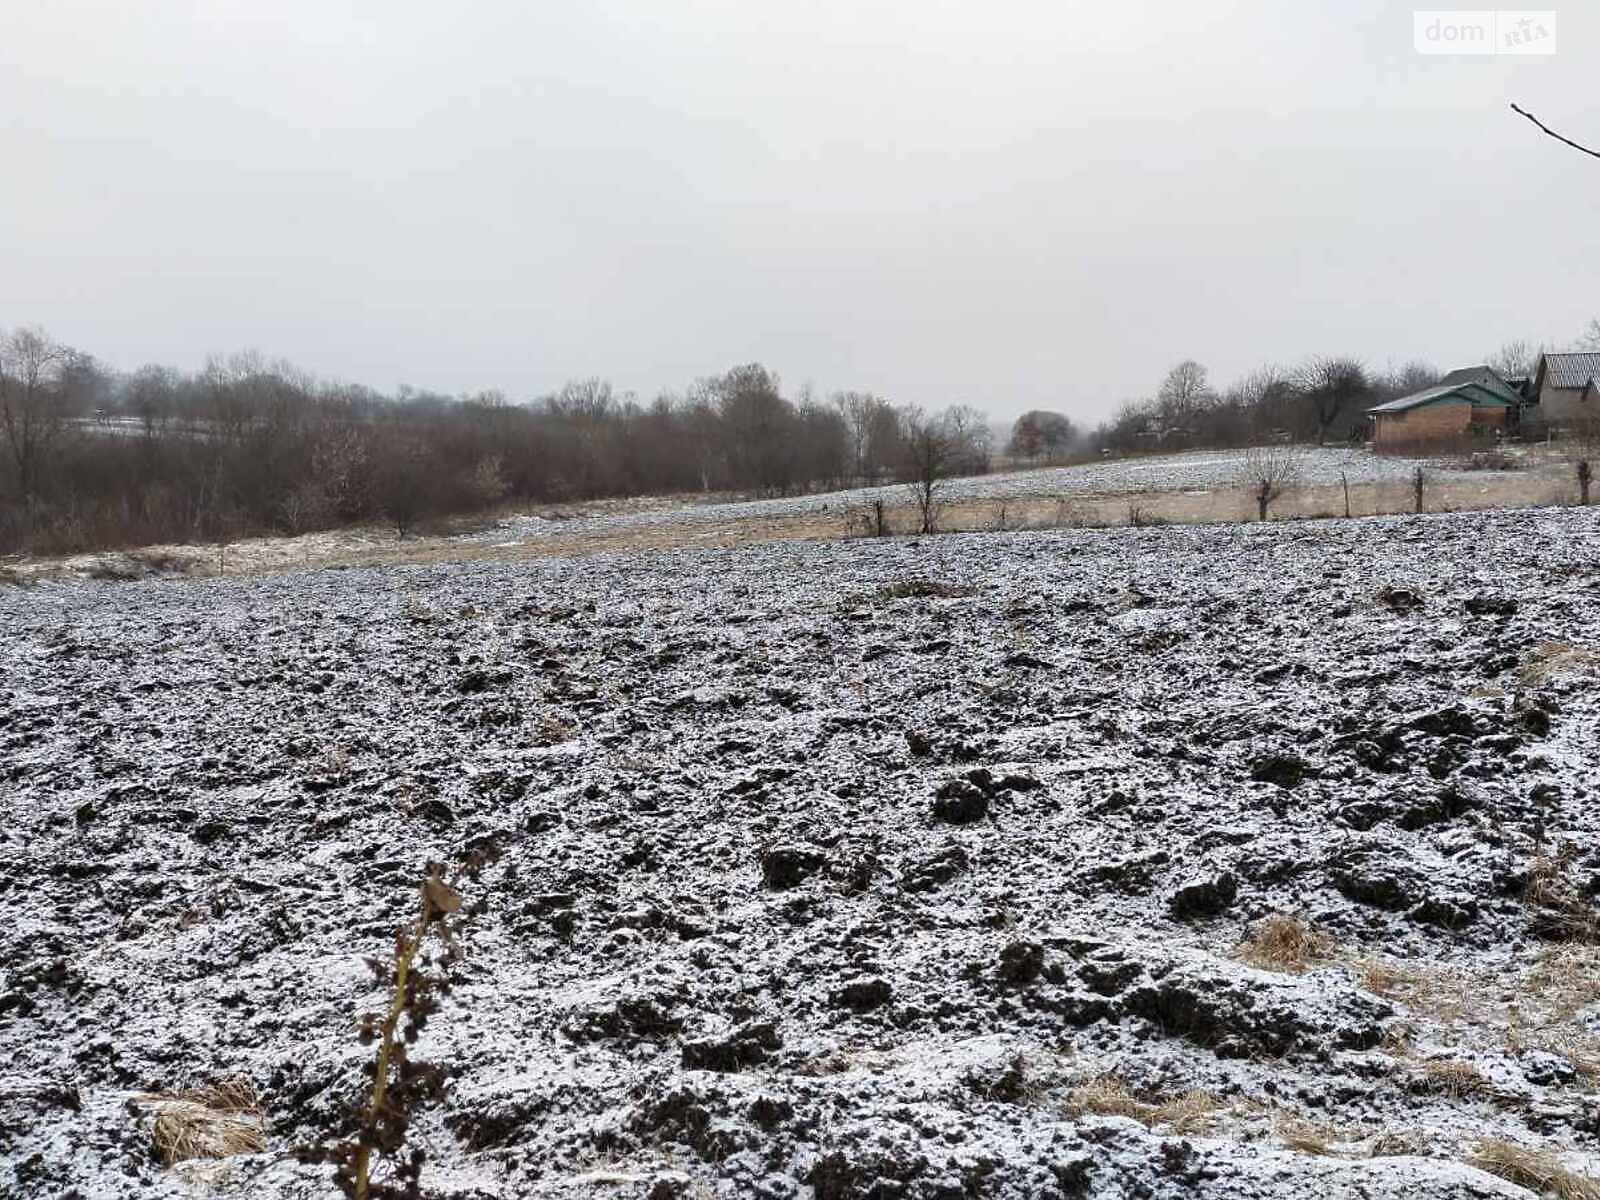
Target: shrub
(1268, 472)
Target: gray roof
(1572, 370)
(1467, 393)
(1484, 376)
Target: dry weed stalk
(1285, 943)
(1535, 1169)
(215, 1121)
(398, 1082)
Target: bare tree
(883, 441)
(1183, 395)
(759, 428)
(1517, 359)
(151, 396)
(971, 439)
(33, 417)
(1027, 437)
(1039, 434)
(855, 409)
(1265, 398)
(258, 442)
(1332, 386)
(1269, 472)
(402, 483)
(929, 453)
(304, 507)
(871, 430)
(1410, 377)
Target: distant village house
(1566, 388)
(1469, 401)
(1476, 401)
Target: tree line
(91, 458)
(1324, 398)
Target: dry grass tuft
(1108, 1096)
(1572, 1042)
(1285, 943)
(1307, 1137)
(1549, 659)
(1567, 978)
(1194, 1112)
(215, 1121)
(1535, 1169)
(1563, 983)
(1439, 991)
(1539, 1009)
(1560, 910)
(1304, 1135)
(1451, 1077)
(1433, 988)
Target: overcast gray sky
(1020, 204)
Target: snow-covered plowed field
(888, 868)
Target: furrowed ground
(1240, 861)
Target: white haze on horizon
(1011, 205)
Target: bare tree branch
(1524, 112)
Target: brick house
(1445, 412)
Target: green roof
(1484, 377)
(1475, 394)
